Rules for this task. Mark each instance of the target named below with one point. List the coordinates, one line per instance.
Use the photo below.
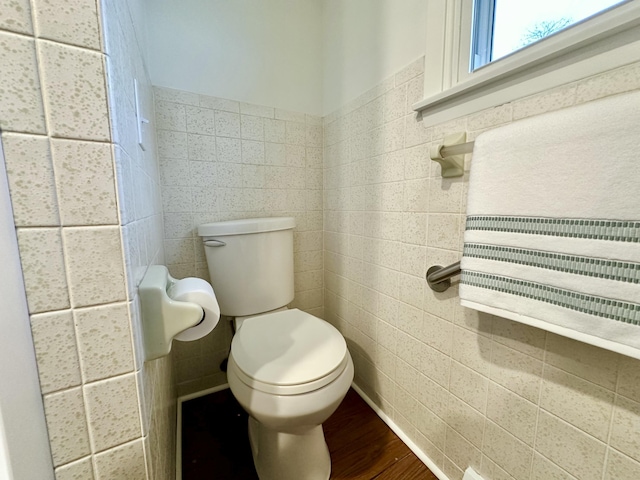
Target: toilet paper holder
(163, 317)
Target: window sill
(604, 43)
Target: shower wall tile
(76, 100)
(67, 425)
(56, 352)
(112, 355)
(21, 108)
(31, 180)
(112, 411)
(89, 193)
(74, 22)
(15, 16)
(125, 462)
(94, 264)
(43, 269)
(78, 470)
(528, 403)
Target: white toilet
(288, 369)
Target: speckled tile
(31, 180)
(519, 336)
(620, 80)
(56, 352)
(462, 453)
(507, 451)
(125, 462)
(586, 361)
(218, 104)
(94, 263)
(15, 15)
(74, 22)
(274, 130)
(170, 116)
(629, 378)
(516, 371)
(113, 411)
(200, 121)
(85, 180)
(79, 470)
(43, 269)
(21, 108)
(104, 341)
(75, 92)
(543, 469)
(67, 425)
(581, 403)
(548, 101)
(576, 452)
(469, 386)
(444, 231)
(201, 147)
(252, 128)
(227, 124)
(172, 144)
(625, 430)
(512, 412)
(295, 133)
(621, 467)
(229, 150)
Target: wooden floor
(215, 443)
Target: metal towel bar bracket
(439, 278)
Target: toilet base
(288, 456)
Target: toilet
(288, 369)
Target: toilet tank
(250, 263)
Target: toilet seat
(288, 353)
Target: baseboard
(180, 400)
(398, 431)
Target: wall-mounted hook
(452, 165)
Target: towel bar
(439, 278)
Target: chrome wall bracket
(439, 278)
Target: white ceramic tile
(548, 101)
(93, 257)
(125, 462)
(252, 152)
(469, 386)
(444, 231)
(252, 128)
(203, 174)
(104, 341)
(43, 269)
(625, 428)
(55, 345)
(512, 412)
(171, 116)
(172, 144)
(15, 15)
(112, 411)
(507, 451)
(516, 371)
(519, 336)
(31, 180)
(74, 22)
(85, 181)
(174, 172)
(21, 107)
(620, 80)
(581, 403)
(229, 150)
(274, 130)
(227, 124)
(78, 470)
(75, 94)
(201, 147)
(576, 452)
(586, 361)
(200, 120)
(67, 425)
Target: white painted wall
(256, 51)
(366, 41)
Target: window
(502, 27)
(482, 53)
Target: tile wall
(468, 388)
(223, 160)
(84, 238)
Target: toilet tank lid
(245, 226)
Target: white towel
(553, 223)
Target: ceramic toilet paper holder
(163, 317)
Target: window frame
(594, 45)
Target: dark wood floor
(215, 443)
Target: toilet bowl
(288, 369)
(290, 372)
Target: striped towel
(553, 223)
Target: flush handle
(214, 243)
